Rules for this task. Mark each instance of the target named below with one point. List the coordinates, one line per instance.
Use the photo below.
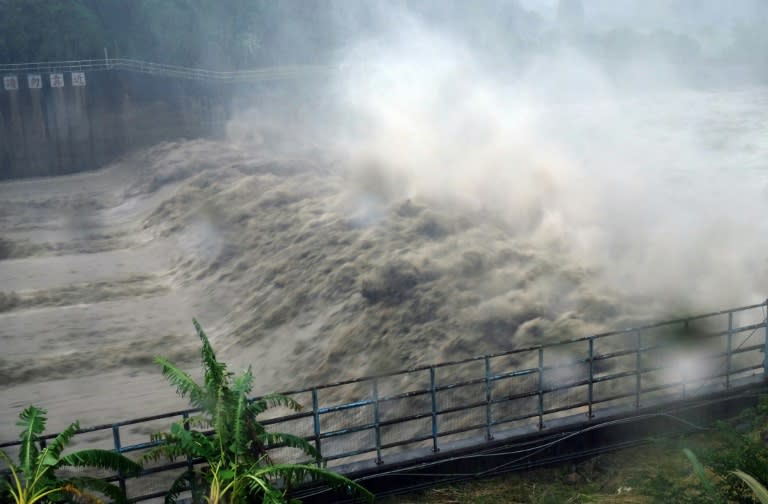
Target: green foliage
(44, 30)
(217, 34)
(665, 488)
(760, 491)
(34, 478)
(706, 482)
(232, 441)
(744, 452)
(739, 461)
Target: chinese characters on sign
(35, 81)
(57, 80)
(11, 83)
(78, 79)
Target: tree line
(239, 34)
(219, 34)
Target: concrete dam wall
(50, 130)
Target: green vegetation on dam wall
(54, 131)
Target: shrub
(34, 478)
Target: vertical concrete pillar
(5, 161)
(59, 132)
(37, 141)
(127, 121)
(79, 130)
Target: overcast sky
(661, 13)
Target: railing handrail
(129, 64)
(417, 369)
(505, 399)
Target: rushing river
(587, 214)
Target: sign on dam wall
(58, 123)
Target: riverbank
(655, 472)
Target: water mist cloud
(631, 181)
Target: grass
(657, 472)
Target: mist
(466, 178)
(511, 187)
(630, 179)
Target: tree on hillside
(36, 30)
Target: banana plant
(228, 436)
(34, 479)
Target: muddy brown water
(307, 271)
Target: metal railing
(407, 414)
(132, 65)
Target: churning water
(434, 233)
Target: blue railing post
(590, 386)
(118, 449)
(316, 423)
(729, 352)
(433, 393)
(488, 415)
(377, 427)
(190, 465)
(638, 369)
(541, 388)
